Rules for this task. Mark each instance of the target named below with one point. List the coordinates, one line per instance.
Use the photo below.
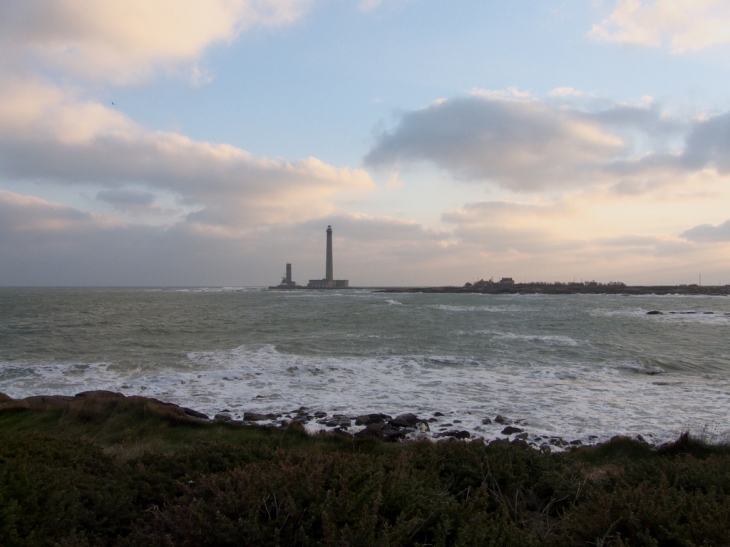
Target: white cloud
(49, 135)
(125, 41)
(683, 25)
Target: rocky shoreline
(403, 427)
(570, 288)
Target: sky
(210, 142)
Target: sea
(579, 367)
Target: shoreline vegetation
(104, 469)
(508, 286)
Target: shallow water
(575, 366)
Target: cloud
(530, 145)
(125, 41)
(518, 144)
(683, 25)
(708, 233)
(49, 135)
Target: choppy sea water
(580, 366)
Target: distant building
(329, 282)
(286, 282)
(506, 281)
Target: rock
(195, 413)
(320, 414)
(520, 443)
(4, 398)
(101, 395)
(222, 417)
(522, 436)
(339, 421)
(498, 441)
(404, 420)
(455, 434)
(256, 417)
(557, 441)
(510, 429)
(640, 439)
(431, 420)
(502, 420)
(486, 421)
(48, 401)
(437, 414)
(367, 419)
(654, 312)
(576, 442)
(341, 432)
(457, 421)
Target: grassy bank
(132, 473)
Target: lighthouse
(329, 281)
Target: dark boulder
(222, 417)
(195, 413)
(100, 394)
(4, 398)
(486, 421)
(437, 414)
(367, 419)
(510, 429)
(654, 312)
(256, 417)
(404, 420)
(502, 420)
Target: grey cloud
(707, 233)
(127, 200)
(233, 187)
(44, 243)
(523, 145)
(709, 145)
(532, 145)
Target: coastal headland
(569, 288)
(104, 469)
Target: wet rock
(522, 436)
(457, 421)
(654, 312)
(486, 421)
(404, 420)
(437, 414)
(256, 417)
(521, 443)
(341, 432)
(222, 417)
(576, 442)
(431, 420)
(545, 448)
(455, 434)
(195, 414)
(502, 420)
(4, 398)
(510, 429)
(339, 421)
(640, 439)
(101, 395)
(320, 414)
(367, 419)
(447, 425)
(557, 441)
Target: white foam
(573, 401)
